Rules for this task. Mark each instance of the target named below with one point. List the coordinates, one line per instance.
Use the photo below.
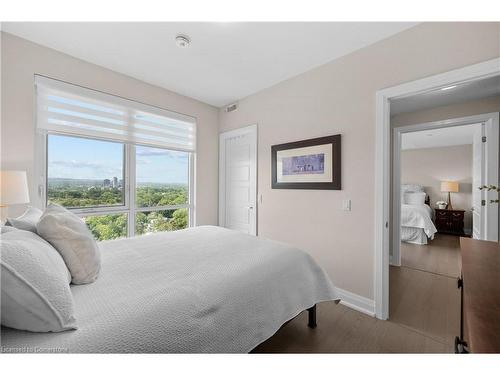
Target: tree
(107, 227)
(180, 219)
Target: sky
(80, 158)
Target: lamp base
(449, 206)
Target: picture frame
(308, 164)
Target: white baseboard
(357, 302)
(392, 262)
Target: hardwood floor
(433, 307)
(343, 330)
(425, 302)
(424, 312)
(440, 256)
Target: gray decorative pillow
(35, 285)
(73, 240)
(26, 221)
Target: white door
(485, 172)
(490, 165)
(238, 180)
(478, 212)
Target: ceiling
(461, 93)
(443, 137)
(225, 62)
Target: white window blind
(74, 110)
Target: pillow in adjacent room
(26, 221)
(415, 198)
(35, 291)
(412, 188)
(71, 237)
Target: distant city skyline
(85, 159)
(103, 181)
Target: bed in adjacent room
(203, 289)
(417, 226)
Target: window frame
(129, 181)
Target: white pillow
(35, 285)
(415, 198)
(412, 188)
(6, 229)
(71, 237)
(26, 221)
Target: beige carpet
(424, 312)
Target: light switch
(346, 205)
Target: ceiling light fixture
(448, 88)
(182, 41)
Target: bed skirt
(414, 235)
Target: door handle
(249, 207)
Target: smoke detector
(182, 41)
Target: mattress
(203, 289)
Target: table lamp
(449, 187)
(13, 188)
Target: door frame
(251, 129)
(474, 72)
(490, 121)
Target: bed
(203, 289)
(416, 215)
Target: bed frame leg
(312, 317)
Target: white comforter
(205, 289)
(418, 216)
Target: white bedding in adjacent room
(413, 235)
(204, 289)
(416, 217)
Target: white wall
(22, 59)
(464, 109)
(430, 166)
(339, 98)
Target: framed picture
(309, 164)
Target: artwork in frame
(308, 164)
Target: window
(84, 173)
(162, 177)
(125, 168)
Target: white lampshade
(14, 188)
(449, 186)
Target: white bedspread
(205, 289)
(418, 216)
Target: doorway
(238, 179)
(383, 213)
(434, 165)
(474, 217)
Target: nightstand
(449, 221)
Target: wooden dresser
(449, 221)
(480, 302)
